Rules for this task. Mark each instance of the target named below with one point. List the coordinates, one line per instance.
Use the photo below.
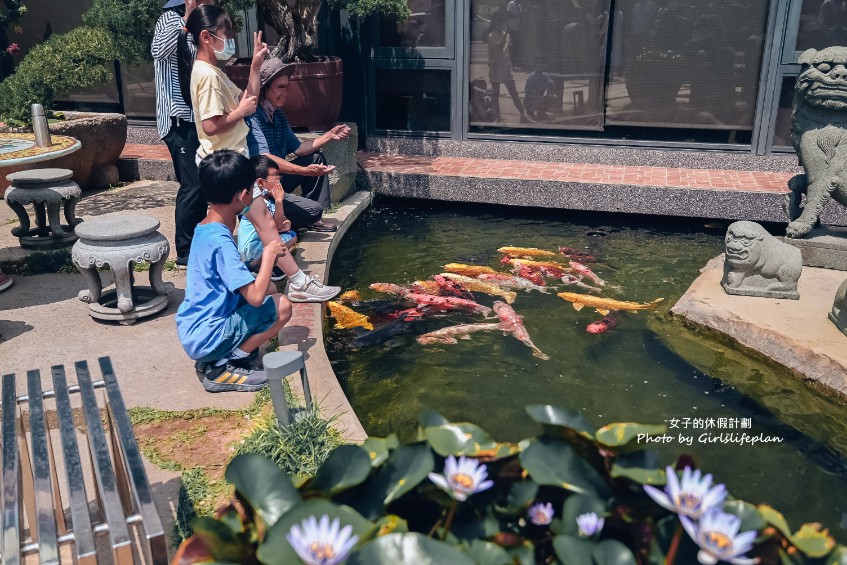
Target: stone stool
(50, 188)
(118, 241)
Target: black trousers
(190, 205)
(305, 210)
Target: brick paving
(744, 181)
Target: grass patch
(170, 265)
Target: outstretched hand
(339, 132)
(316, 170)
(260, 48)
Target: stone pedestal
(824, 247)
(341, 154)
(119, 241)
(52, 194)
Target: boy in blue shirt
(227, 314)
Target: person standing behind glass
(175, 122)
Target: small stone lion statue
(819, 135)
(838, 315)
(758, 264)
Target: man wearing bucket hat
(300, 163)
(175, 122)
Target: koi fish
(585, 271)
(511, 281)
(350, 296)
(346, 318)
(449, 287)
(605, 305)
(575, 280)
(607, 322)
(544, 268)
(389, 288)
(448, 335)
(407, 315)
(467, 270)
(446, 303)
(526, 252)
(480, 286)
(382, 334)
(511, 322)
(426, 287)
(576, 255)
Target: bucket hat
(272, 68)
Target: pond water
(628, 373)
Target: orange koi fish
(526, 252)
(467, 270)
(450, 287)
(389, 288)
(605, 305)
(476, 285)
(607, 322)
(426, 287)
(346, 318)
(350, 296)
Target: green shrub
(128, 23)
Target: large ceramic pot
(314, 91)
(103, 137)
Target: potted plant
(315, 88)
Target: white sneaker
(312, 291)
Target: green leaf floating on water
(612, 552)
(813, 540)
(487, 553)
(347, 466)
(620, 434)
(407, 548)
(428, 417)
(639, 466)
(554, 463)
(406, 467)
(277, 551)
(775, 519)
(521, 494)
(552, 417)
(221, 541)
(458, 439)
(751, 518)
(573, 550)
(379, 448)
(577, 505)
(261, 483)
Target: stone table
(49, 191)
(119, 241)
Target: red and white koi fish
(576, 281)
(448, 335)
(511, 322)
(576, 255)
(607, 322)
(450, 287)
(446, 303)
(511, 281)
(585, 271)
(390, 288)
(521, 268)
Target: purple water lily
(694, 496)
(589, 524)
(321, 543)
(462, 478)
(718, 538)
(540, 514)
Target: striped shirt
(169, 102)
(271, 134)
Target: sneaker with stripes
(231, 377)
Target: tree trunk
(296, 22)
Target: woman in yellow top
(219, 106)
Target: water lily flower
(541, 514)
(589, 524)
(321, 544)
(718, 538)
(462, 478)
(13, 48)
(693, 497)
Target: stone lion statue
(819, 135)
(838, 315)
(758, 264)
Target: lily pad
(523, 554)
(428, 417)
(459, 439)
(347, 466)
(277, 551)
(554, 463)
(407, 548)
(612, 552)
(775, 519)
(813, 540)
(487, 553)
(551, 416)
(261, 483)
(406, 468)
(572, 550)
(221, 541)
(521, 494)
(379, 448)
(751, 519)
(639, 466)
(620, 434)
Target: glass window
(424, 28)
(782, 130)
(412, 99)
(139, 91)
(822, 23)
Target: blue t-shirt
(273, 136)
(215, 273)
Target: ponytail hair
(205, 17)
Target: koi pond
(647, 369)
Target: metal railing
(31, 493)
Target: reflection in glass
(823, 23)
(424, 28)
(413, 100)
(139, 91)
(782, 130)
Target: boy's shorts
(252, 250)
(246, 321)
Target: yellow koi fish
(467, 270)
(475, 285)
(426, 287)
(346, 318)
(526, 252)
(350, 296)
(605, 305)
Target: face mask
(227, 52)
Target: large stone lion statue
(819, 135)
(758, 264)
